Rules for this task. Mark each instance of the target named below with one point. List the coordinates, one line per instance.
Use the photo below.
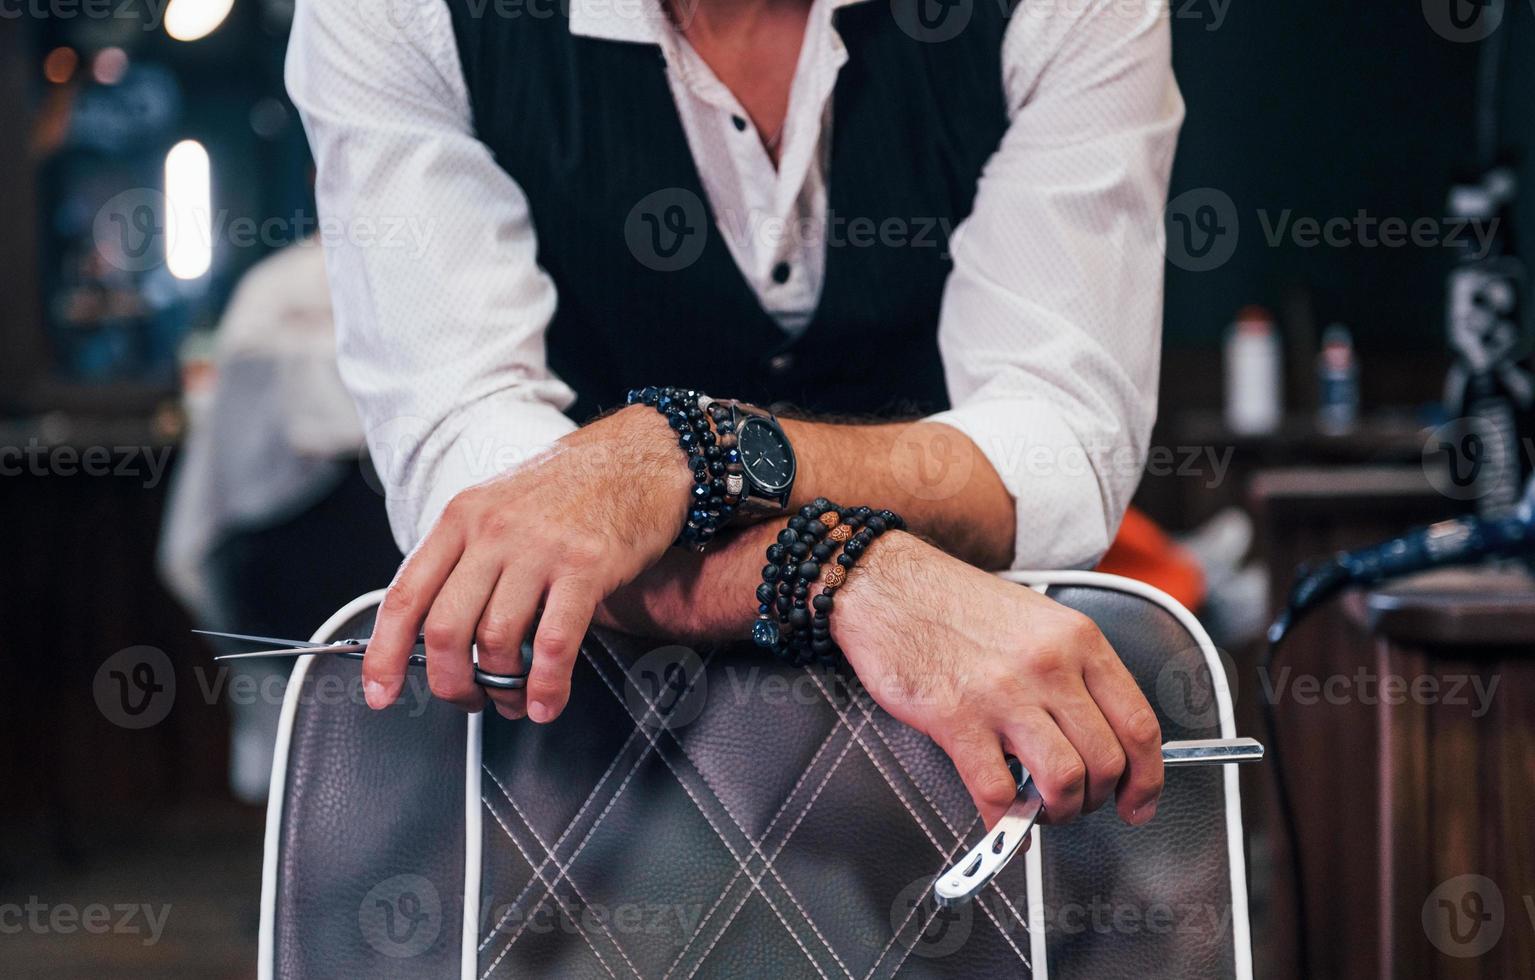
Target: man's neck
(725, 18)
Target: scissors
(975, 870)
(354, 649)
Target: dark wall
(1325, 108)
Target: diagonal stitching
(884, 774)
(579, 931)
(782, 808)
(590, 831)
(564, 873)
(948, 858)
(826, 781)
(575, 822)
(756, 882)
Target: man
(759, 199)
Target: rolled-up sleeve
(1052, 317)
(440, 305)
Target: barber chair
(711, 813)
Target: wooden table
(1457, 775)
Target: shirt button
(781, 273)
(781, 363)
(740, 123)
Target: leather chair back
(709, 813)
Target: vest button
(781, 273)
(781, 364)
(740, 123)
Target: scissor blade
(295, 651)
(275, 640)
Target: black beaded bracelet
(793, 562)
(711, 456)
(803, 632)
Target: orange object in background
(1144, 552)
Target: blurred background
(1346, 334)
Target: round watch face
(765, 455)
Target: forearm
(930, 473)
(695, 598)
(711, 597)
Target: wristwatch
(767, 462)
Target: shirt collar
(636, 21)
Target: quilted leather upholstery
(711, 814)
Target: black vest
(648, 291)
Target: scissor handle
(484, 678)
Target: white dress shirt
(1050, 326)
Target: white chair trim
(1242, 941)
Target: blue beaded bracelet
(710, 505)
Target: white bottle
(1254, 399)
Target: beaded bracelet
(803, 633)
(793, 562)
(711, 456)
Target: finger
(1053, 763)
(398, 625)
(1139, 733)
(977, 756)
(450, 627)
(1083, 724)
(504, 625)
(567, 614)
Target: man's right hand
(984, 666)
